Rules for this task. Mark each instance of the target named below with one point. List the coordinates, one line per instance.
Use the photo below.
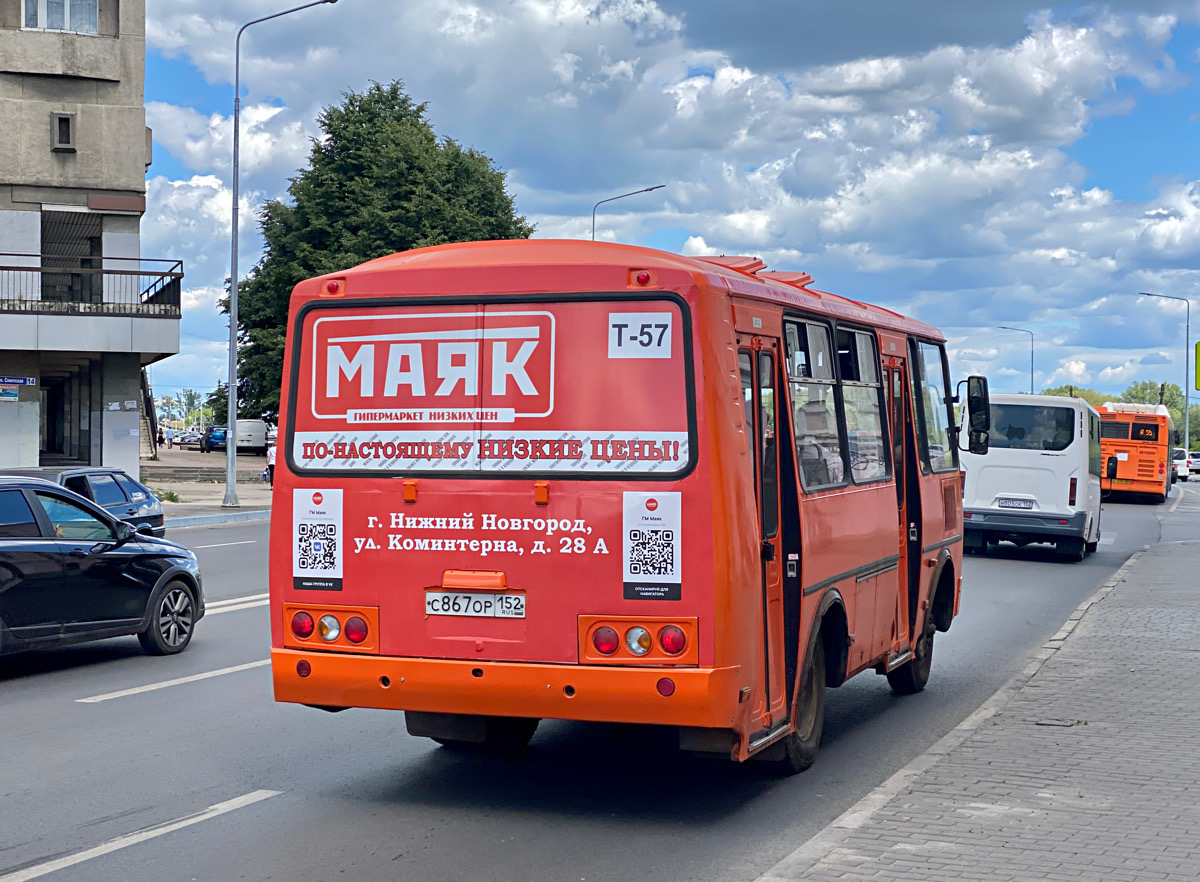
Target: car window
(135, 491)
(71, 521)
(78, 484)
(105, 490)
(16, 518)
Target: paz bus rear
(490, 507)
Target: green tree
(217, 405)
(1091, 396)
(379, 181)
(1147, 392)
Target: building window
(62, 131)
(78, 16)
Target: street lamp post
(613, 198)
(1187, 341)
(1030, 333)
(231, 498)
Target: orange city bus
(584, 481)
(1136, 439)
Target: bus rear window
(575, 387)
(1030, 427)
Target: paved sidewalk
(1089, 769)
(203, 499)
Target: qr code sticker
(651, 552)
(316, 546)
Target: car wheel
(172, 620)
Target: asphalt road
(306, 796)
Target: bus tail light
(340, 628)
(672, 640)
(329, 628)
(303, 625)
(638, 640)
(1071, 495)
(606, 641)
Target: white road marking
(234, 608)
(226, 544)
(233, 604)
(234, 601)
(165, 683)
(1107, 540)
(129, 839)
(1175, 504)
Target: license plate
(475, 603)
(1122, 481)
(1015, 503)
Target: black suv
(111, 489)
(71, 572)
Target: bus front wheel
(800, 746)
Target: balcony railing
(31, 283)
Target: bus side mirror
(1110, 468)
(979, 408)
(977, 442)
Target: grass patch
(168, 496)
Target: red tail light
(355, 629)
(606, 641)
(672, 640)
(1071, 495)
(303, 625)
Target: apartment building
(82, 312)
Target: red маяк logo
(318, 499)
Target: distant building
(81, 312)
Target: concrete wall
(74, 333)
(99, 78)
(19, 422)
(120, 418)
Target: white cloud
(936, 181)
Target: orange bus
(1135, 443)
(574, 480)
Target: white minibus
(1039, 480)
(252, 435)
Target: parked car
(113, 490)
(1179, 465)
(70, 572)
(213, 438)
(252, 435)
(1194, 461)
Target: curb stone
(812, 852)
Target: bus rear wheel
(801, 745)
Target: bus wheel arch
(831, 637)
(941, 592)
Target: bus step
(764, 737)
(899, 659)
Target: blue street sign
(17, 381)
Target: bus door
(759, 368)
(908, 495)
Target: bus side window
(746, 369)
(814, 407)
(933, 411)
(862, 400)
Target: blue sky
(969, 163)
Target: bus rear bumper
(704, 697)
